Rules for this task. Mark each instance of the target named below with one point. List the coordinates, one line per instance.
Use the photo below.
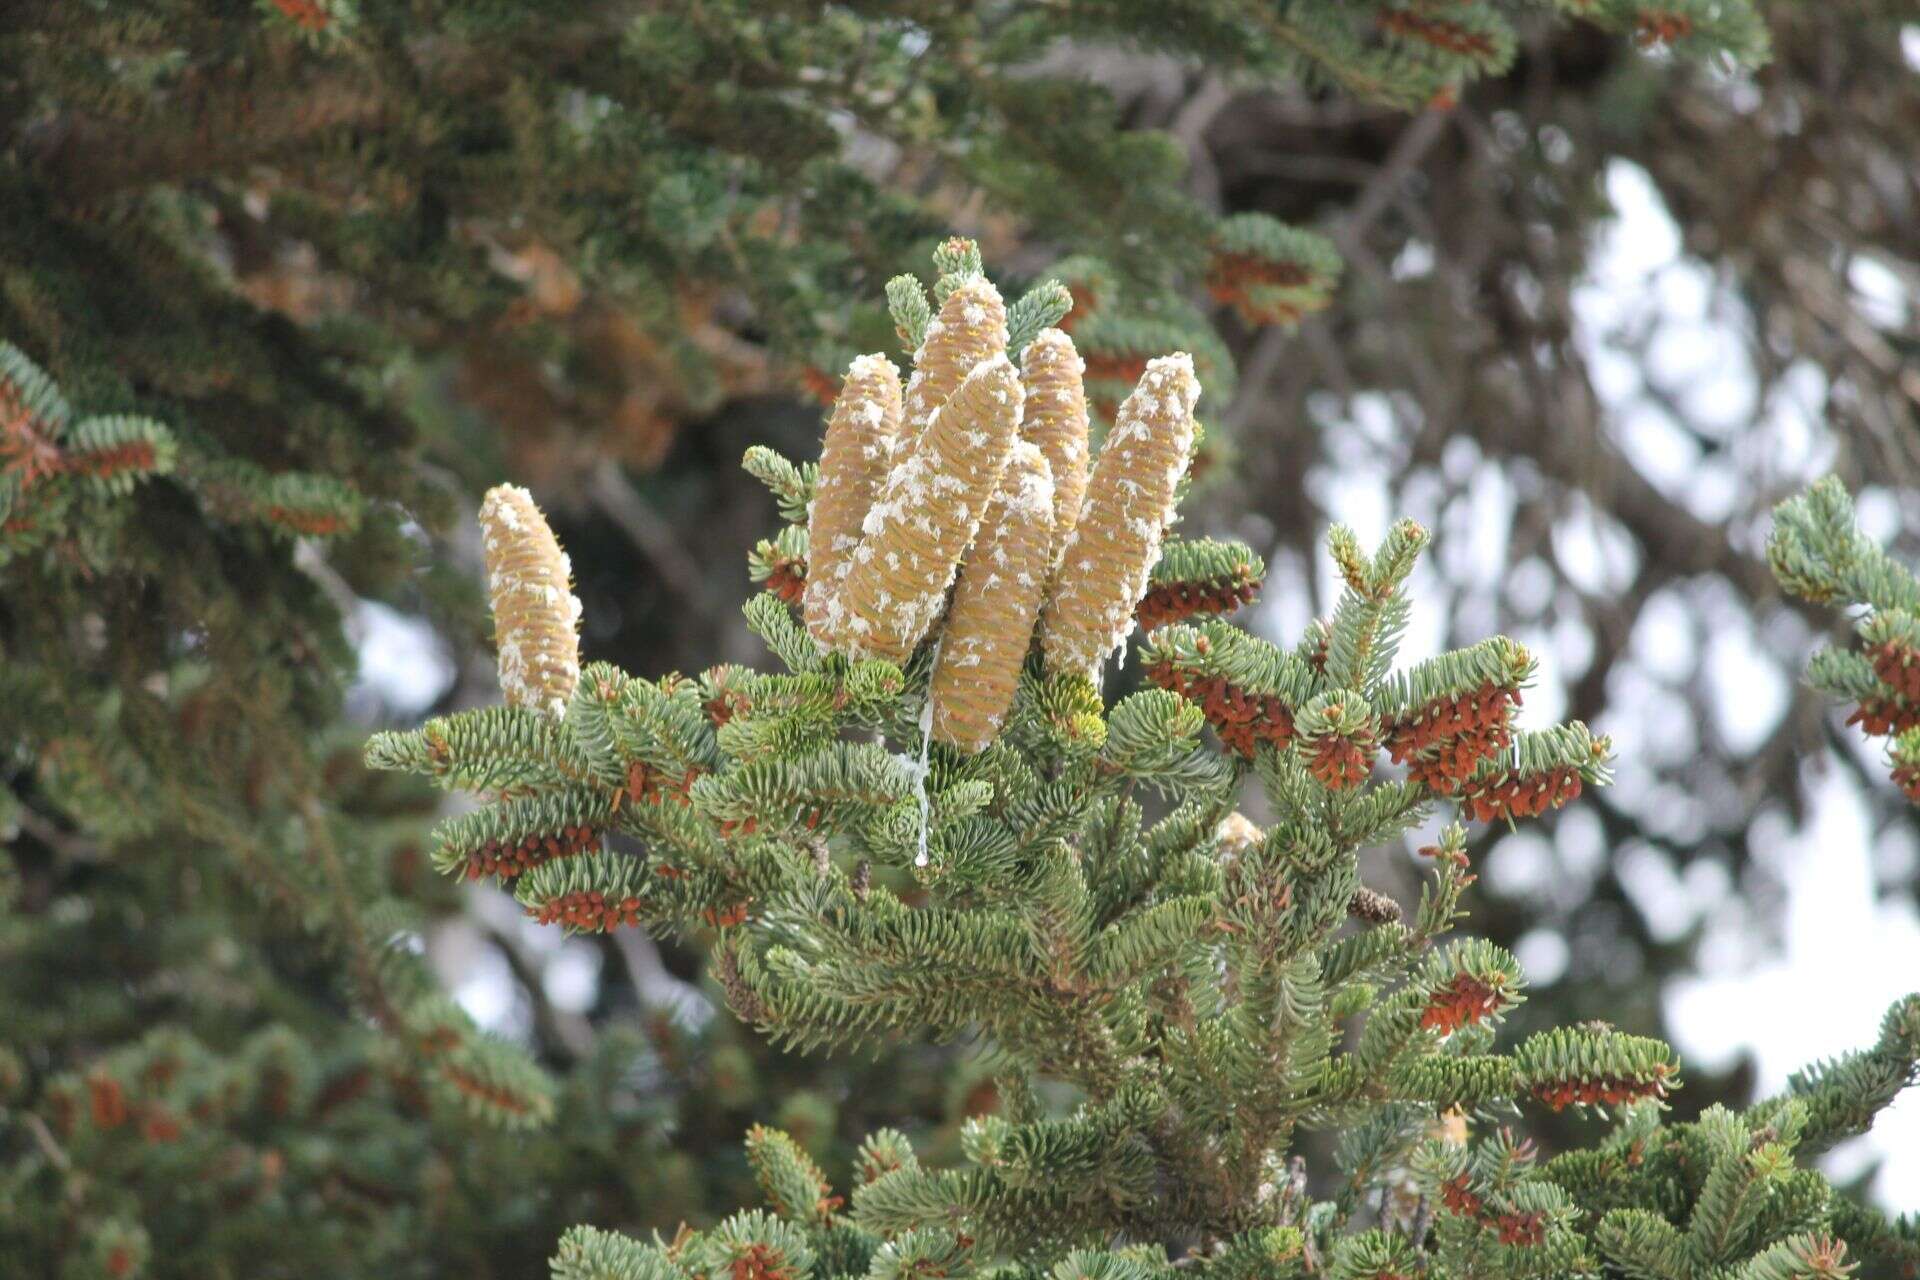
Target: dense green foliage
(1172, 997)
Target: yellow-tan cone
(1236, 833)
(535, 614)
(995, 604)
(1056, 420)
(1105, 562)
(971, 327)
(854, 460)
(926, 515)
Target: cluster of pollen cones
(966, 495)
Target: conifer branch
(916, 829)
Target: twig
(1408, 150)
(624, 505)
(1255, 374)
(1189, 128)
(569, 1032)
(1379, 194)
(68, 845)
(44, 1139)
(654, 985)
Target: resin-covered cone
(1056, 420)
(925, 517)
(1105, 561)
(971, 327)
(535, 614)
(995, 604)
(854, 461)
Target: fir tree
(1173, 997)
(193, 479)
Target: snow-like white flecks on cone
(1056, 420)
(1236, 832)
(1105, 562)
(926, 516)
(854, 460)
(970, 327)
(536, 616)
(989, 628)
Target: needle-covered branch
(932, 822)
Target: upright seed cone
(926, 515)
(535, 613)
(854, 460)
(971, 326)
(990, 626)
(1106, 560)
(1056, 420)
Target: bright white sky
(1845, 956)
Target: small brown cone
(926, 515)
(995, 604)
(854, 460)
(1107, 559)
(1056, 420)
(970, 328)
(535, 613)
(1373, 907)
